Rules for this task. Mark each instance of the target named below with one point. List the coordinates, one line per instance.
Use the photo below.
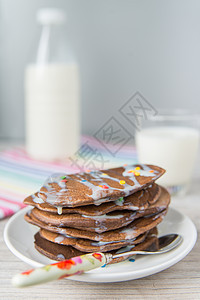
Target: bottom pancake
(60, 252)
(86, 245)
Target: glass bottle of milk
(52, 93)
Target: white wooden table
(181, 281)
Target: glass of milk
(170, 140)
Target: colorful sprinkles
(131, 259)
(122, 182)
(135, 171)
(64, 179)
(103, 186)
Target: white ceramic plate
(18, 235)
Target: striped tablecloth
(20, 175)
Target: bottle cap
(49, 16)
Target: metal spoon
(83, 263)
(166, 243)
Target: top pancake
(96, 187)
(140, 200)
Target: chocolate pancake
(159, 206)
(140, 200)
(97, 186)
(88, 245)
(101, 223)
(131, 231)
(60, 252)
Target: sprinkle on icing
(137, 168)
(137, 173)
(105, 187)
(122, 182)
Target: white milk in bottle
(52, 94)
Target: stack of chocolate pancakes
(113, 210)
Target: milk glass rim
(175, 115)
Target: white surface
(172, 147)
(18, 236)
(52, 110)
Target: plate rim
(100, 277)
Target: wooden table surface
(181, 281)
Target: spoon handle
(74, 266)
(78, 265)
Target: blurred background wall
(122, 46)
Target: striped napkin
(21, 176)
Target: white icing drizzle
(144, 171)
(99, 193)
(59, 239)
(100, 243)
(69, 236)
(59, 210)
(100, 201)
(63, 234)
(125, 249)
(103, 217)
(37, 199)
(129, 233)
(133, 207)
(99, 221)
(119, 201)
(61, 231)
(100, 229)
(60, 256)
(51, 195)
